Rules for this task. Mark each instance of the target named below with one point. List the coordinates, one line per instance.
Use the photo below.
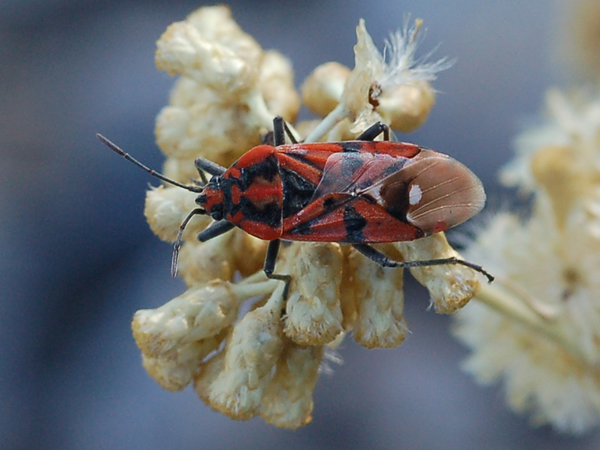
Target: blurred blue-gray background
(77, 259)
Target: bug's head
(212, 199)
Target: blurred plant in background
(538, 328)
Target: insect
(356, 192)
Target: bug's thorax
(212, 199)
(249, 194)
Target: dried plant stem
(339, 113)
(522, 310)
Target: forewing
(351, 173)
(432, 192)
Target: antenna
(152, 172)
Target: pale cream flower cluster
(250, 358)
(542, 334)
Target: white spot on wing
(415, 194)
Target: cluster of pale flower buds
(247, 350)
(541, 334)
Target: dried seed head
(450, 286)
(216, 25)
(250, 356)
(555, 169)
(175, 369)
(202, 262)
(313, 311)
(572, 122)
(288, 401)
(220, 106)
(182, 50)
(165, 210)
(182, 170)
(379, 302)
(199, 313)
(228, 91)
(215, 131)
(581, 40)
(248, 252)
(407, 107)
(376, 79)
(322, 90)
(536, 329)
(206, 375)
(276, 79)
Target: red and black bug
(356, 192)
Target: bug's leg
(215, 229)
(203, 179)
(269, 267)
(375, 130)
(177, 246)
(289, 133)
(203, 164)
(384, 261)
(280, 129)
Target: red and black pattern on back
(340, 210)
(343, 218)
(302, 166)
(354, 192)
(252, 195)
(399, 194)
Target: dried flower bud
(555, 169)
(207, 373)
(379, 301)
(176, 368)
(248, 252)
(215, 131)
(250, 356)
(182, 50)
(407, 107)
(182, 170)
(581, 42)
(288, 401)
(348, 298)
(322, 90)
(167, 207)
(201, 262)
(216, 25)
(276, 81)
(314, 315)
(199, 313)
(217, 109)
(450, 286)
(174, 338)
(572, 122)
(374, 82)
